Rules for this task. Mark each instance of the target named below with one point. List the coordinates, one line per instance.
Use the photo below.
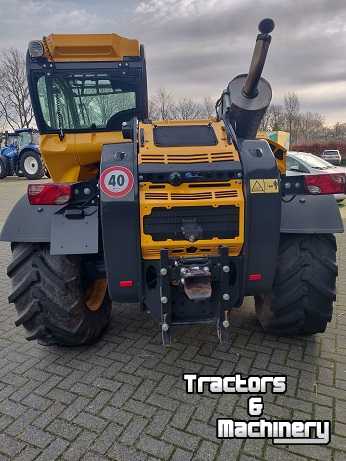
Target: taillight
(49, 194)
(325, 183)
(126, 283)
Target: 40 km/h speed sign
(116, 181)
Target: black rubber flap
(180, 136)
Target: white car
(312, 166)
(332, 156)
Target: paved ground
(124, 398)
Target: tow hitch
(196, 281)
(204, 284)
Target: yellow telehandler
(185, 218)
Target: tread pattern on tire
(48, 294)
(301, 301)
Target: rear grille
(193, 195)
(154, 253)
(156, 196)
(166, 158)
(214, 222)
(221, 157)
(226, 193)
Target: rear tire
(301, 301)
(31, 165)
(49, 293)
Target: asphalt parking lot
(124, 398)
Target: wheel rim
(95, 294)
(30, 165)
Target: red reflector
(255, 277)
(126, 283)
(325, 183)
(49, 194)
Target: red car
(321, 176)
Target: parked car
(332, 156)
(320, 174)
(20, 154)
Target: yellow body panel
(77, 156)
(89, 47)
(280, 137)
(187, 195)
(150, 153)
(279, 152)
(228, 193)
(279, 146)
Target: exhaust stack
(248, 96)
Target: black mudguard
(262, 216)
(310, 214)
(268, 215)
(120, 223)
(41, 224)
(29, 147)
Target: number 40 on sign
(116, 181)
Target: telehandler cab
(185, 218)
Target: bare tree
(152, 109)
(208, 107)
(266, 122)
(310, 126)
(339, 131)
(277, 117)
(161, 105)
(15, 101)
(274, 118)
(292, 106)
(187, 109)
(2, 121)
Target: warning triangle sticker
(257, 187)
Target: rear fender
(120, 223)
(28, 148)
(262, 215)
(40, 224)
(310, 214)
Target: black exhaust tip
(266, 26)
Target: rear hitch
(223, 328)
(165, 298)
(196, 281)
(203, 280)
(165, 331)
(223, 323)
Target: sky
(194, 47)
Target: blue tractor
(20, 154)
